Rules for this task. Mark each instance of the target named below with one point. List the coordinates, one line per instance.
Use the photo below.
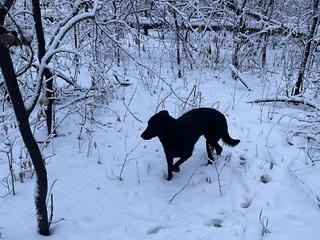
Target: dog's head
(156, 125)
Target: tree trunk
(48, 75)
(28, 139)
(176, 24)
(21, 114)
(238, 42)
(117, 50)
(297, 89)
(268, 12)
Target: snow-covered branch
(292, 100)
(278, 27)
(69, 24)
(239, 76)
(53, 49)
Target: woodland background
(69, 65)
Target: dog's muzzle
(146, 135)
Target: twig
(51, 201)
(238, 75)
(126, 157)
(128, 105)
(267, 146)
(162, 101)
(51, 210)
(5, 183)
(264, 221)
(124, 84)
(226, 160)
(138, 174)
(193, 90)
(218, 177)
(187, 183)
(50, 189)
(124, 103)
(61, 219)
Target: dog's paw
(210, 161)
(176, 168)
(169, 178)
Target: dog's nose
(142, 135)
(145, 135)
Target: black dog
(178, 136)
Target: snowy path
(97, 205)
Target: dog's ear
(164, 113)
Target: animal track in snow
(214, 223)
(154, 230)
(265, 178)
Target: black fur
(178, 136)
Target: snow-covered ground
(268, 187)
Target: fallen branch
(292, 100)
(124, 84)
(278, 27)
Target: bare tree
(297, 89)
(268, 12)
(21, 114)
(239, 36)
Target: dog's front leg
(170, 166)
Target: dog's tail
(228, 140)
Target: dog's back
(205, 121)
(203, 116)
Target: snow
(269, 189)
(92, 203)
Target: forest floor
(110, 184)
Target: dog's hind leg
(218, 148)
(209, 148)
